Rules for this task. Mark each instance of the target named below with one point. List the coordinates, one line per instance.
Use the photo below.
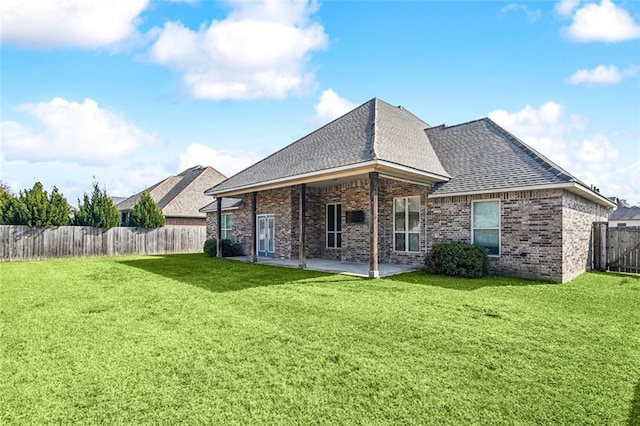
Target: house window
(486, 225)
(226, 226)
(406, 224)
(334, 225)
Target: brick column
(254, 249)
(219, 226)
(302, 261)
(373, 226)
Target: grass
(186, 338)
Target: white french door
(265, 235)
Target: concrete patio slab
(334, 266)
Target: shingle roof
(227, 204)
(181, 195)
(480, 155)
(625, 213)
(373, 131)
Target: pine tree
(145, 213)
(58, 209)
(10, 213)
(36, 200)
(97, 211)
(33, 207)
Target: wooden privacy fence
(616, 248)
(24, 243)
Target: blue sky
(129, 92)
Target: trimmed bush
(457, 259)
(211, 247)
(229, 248)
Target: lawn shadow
(463, 284)
(634, 412)
(222, 275)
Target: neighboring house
(180, 197)
(380, 185)
(625, 216)
(117, 200)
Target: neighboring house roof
(117, 200)
(474, 157)
(625, 213)
(481, 156)
(227, 204)
(181, 195)
(373, 131)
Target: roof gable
(373, 131)
(181, 195)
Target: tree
(145, 213)
(97, 210)
(33, 207)
(58, 209)
(12, 210)
(36, 201)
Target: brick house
(379, 185)
(179, 197)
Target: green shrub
(457, 259)
(211, 247)
(145, 213)
(229, 248)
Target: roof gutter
(381, 166)
(569, 186)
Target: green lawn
(186, 338)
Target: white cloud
(593, 159)
(73, 132)
(604, 22)
(598, 150)
(602, 75)
(79, 23)
(565, 8)
(227, 162)
(261, 50)
(532, 15)
(544, 128)
(331, 106)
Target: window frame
(498, 228)
(406, 220)
(223, 230)
(337, 220)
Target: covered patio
(333, 266)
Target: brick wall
(545, 234)
(184, 221)
(531, 230)
(578, 215)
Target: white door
(266, 229)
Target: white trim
(337, 218)
(226, 229)
(320, 175)
(570, 186)
(404, 180)
(473, 228)
(406, 222)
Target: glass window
(334, 225)
(226, 225)
(406, 224)
(486, 225)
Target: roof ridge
(374, 132)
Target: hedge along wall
(23, 243)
